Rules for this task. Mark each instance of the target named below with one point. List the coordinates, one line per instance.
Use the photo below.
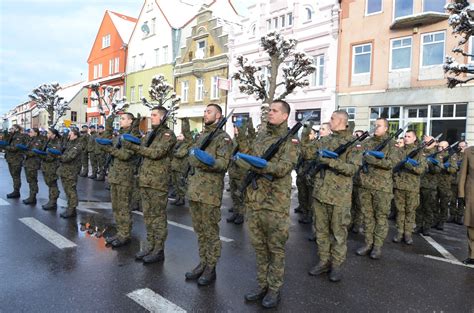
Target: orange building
(390, 64)
(108, 56)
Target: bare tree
(294, 65)
(162, 94)
(108, 96)
(462, 21)
(46, 98)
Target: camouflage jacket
(379, 175)
(459, 158)
(70, 160)
(206, 184)
(155, 169)
(429, 179)
(180, 155)
(445, 176)
(89, 141)
(49, 162)
(124, 164)
(334, 185)
(13, 155)
(96, 148)
(309, 153)
(33, 160)
(408, 178)
(273, 195)
(84, 139)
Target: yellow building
(201, 70)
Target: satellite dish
(145, 28)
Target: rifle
(207, 141)
(314, 167)
(380, 146)
(252, 177)
(443, 150)
(414, 153)
(452, 149)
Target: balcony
(425, 18)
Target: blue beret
(252, 160)
(104, 141)
(38, 151)
(131, 139)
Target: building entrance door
(417, 119)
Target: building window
(275, 22)
(351, 112)
(85, 100)
(184, 91)
(132, 94)
(141, 58)
(269, 24)
(318, 75)
(99, 70)
(140, 92)
(106, 41)
(157, 56)
(165, 54)
(73, 116)
(266, 77)
(95, 71)
(134, 63)
(94, 121)
(116, 122)
(290, 19)
(215, 88)
(450, 120)
(471, 50)
(433, 49)
(111, 66)
(117, 65)
(308, 13)
(362, 59)
(373, 7)
(253, 30)
(400, 53)
(392, 114)
(153, 25)
(315, 115)
(199, 89)
(434, 6)
(402, 8)
(200, 49)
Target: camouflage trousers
(356, 211)
(135, 199)
(456, 205)
(424, 214)
(305, 191)
(85, 162)
(154, 204)
(32, 179)
(470, 237)
(375, 204)
(121, 196)
(51, 180)
(70, 188)
(206, 219)
(179, 183)
(406, 202)
(269, 231)
(101, 160)
(331, 231)
(236, 195)
(93, 163)
(15, 172)
(442, 205)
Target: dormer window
(201, 49)
(106, 41)
(308, 13)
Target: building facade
(314, 24)
(394, 68)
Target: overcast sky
(44, 41)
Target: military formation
(346, 182)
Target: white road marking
(225, 239)
(440, 248)
(153, 302)
(3, 202)
(47, 233)
(448, 261)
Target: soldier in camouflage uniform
(121, 178)
(100, 156)
(179, 164)
(331, 198)
(69, 170)
(357, 217)
(33, 164)
(376, 191)
(85, 152)
(49, 166)
(428, 191)
(267, 207)
(406, 184)
(448, 167)
(205, 187)
(153, 183)
(456, 205)
(15, 158)
(91, 147)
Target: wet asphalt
(36, 276)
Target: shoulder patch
(295, 141)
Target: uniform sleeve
(345, 165)
(71, 154)
(109, 126)
(309, 149)
(122, 154)
(223, 154)
(463, 174)
(160, 149)
(389, 161)
(183, 150)
(285, 162)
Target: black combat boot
(459, 220)
(305, 219)
(49, 206)
(357, 229)
(14, 194)
(154, 256)
(208, 276)
(83, 174)
(68, 213)
(426, 231)
(451, 219)
(298, 209)
(271, 299)
(93, 176)
(232, 218)
(408, 239)
(364, 250)
(143, 253)
(120, 242)
(196, 272)
(440, 226)
(256, 294)
(100, 177)
(335, 274)
(397, 238)
(30, 200)
(239, 219)
(468, 261)
(178, 202)
(320, 268)
(376, 253)
(231, 210)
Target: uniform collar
(277, 130)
